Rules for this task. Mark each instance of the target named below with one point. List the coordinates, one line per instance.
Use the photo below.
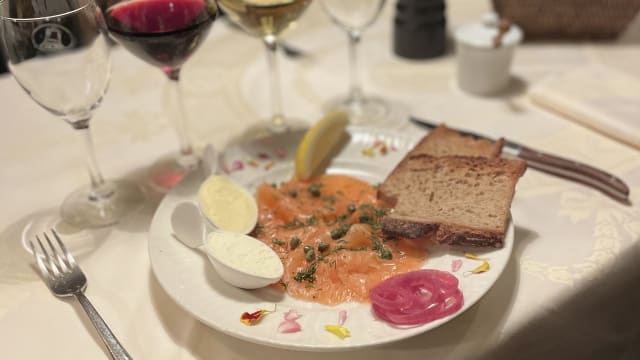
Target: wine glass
(164, 33)
(354, 16)
(267, 19)
(58, 53)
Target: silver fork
(64, 278)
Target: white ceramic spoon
(240, 260)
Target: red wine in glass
(165, 33)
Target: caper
(351, 208)
(294, 242)
(310, 255)
(323, 246)
(339, 232)
(314, 189)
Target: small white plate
(192, 283)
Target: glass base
(167, 173)
(84, 208)
(264, 128)
(364, 111)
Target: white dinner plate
(188, 277)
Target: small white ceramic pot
(483, 68)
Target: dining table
(568, 290)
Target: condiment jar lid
(482, 34)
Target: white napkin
(595, 96)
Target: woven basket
(569, 19)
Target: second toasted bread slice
(456, 200)
(443, 141)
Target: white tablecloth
(567, 235)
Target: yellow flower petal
(339, 331)
(368, 152)
(480, 269)
(473, 257)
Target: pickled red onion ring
(416, 298)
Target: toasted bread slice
(443, 141)
(456, 200)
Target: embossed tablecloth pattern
(566, 234)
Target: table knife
(555, 165)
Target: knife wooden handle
(576, 171)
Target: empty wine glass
(267, 19)
(165, 33)
(354, 16)
(58, 53)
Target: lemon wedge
(319, 142)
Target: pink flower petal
(281, 153)
(456, 265)
(289, 326)
(342, 317)
(291, 315)
(237, 165)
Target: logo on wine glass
(52, 38)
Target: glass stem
(177, 115)
(277, 118)
(99, 189)
(355, 90)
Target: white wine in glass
(354, 16)
(267, 19)
(59, 54)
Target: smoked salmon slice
(327, 233)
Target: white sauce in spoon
(246, 261)
(227, 205)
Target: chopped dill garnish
(312, 220)
(333, 251)
(293, 224)
(278, 242)
(364, 207)
(379, 247)
(360, 248)
(377, 244)
(331, 199)
(307, 274)
(371, 215)
(343, 217)
(258, 230)
(385, 254)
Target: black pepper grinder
(419, 30)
